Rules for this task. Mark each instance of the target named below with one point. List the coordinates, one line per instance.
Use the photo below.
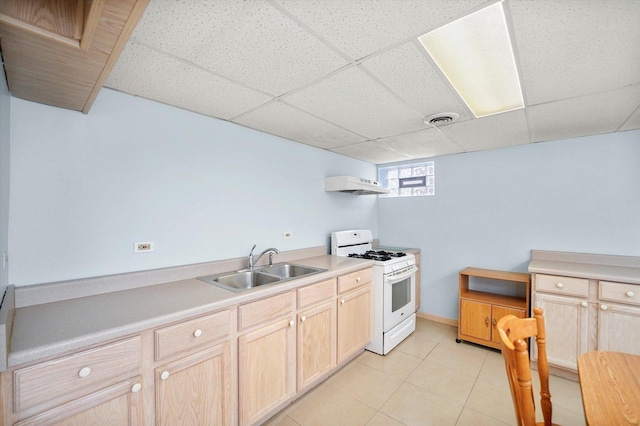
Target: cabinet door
(619, 328)
(497, 312)
(316, 343)
(354, 322)
(120, 404)
(566, 324)
(195, 389)
(475, 318)
(266, 369)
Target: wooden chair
(513, 334)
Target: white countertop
(53, 328)
(624, 269)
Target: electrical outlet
(287, 235)
(142, 247)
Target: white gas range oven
(394, 281)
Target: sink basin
(239, 281)
(247, 279)
(288, 270)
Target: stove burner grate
(371, 256)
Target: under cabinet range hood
(353, 185)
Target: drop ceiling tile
(278, 118)
(583, 116)
(494, 131)
(632, 122)
(361, 27)
(573, 48)
(146, 73)
(371, 151)
(422, 144)
(250, 42)
(408, 72)
(353, 100)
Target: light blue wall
(5, 114)
(492, 207)
(84, 188)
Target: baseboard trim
(436, 318)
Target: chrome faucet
(271, 251)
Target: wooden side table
(480, 311)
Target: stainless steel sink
(288, 270)
(247, 279)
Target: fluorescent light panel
(475, 54)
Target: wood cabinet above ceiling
(60, 52)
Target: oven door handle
(391, 280)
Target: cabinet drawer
(355, 279)
(619, 292)
(64, 379)
(192, 334)
(315, 293)
(562, 285)
(264, 310)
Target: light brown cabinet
(595, 315)
(194, 360)
(480, 311)
(101, 384)
(238, 365)
(266, 357)
(61, 52)
(354, 313)
(565, 304)
(120, 404)
(619, 317)
(195, 389)
(316, 333)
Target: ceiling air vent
(441, 118)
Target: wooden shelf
(497, 275)
(479, 311)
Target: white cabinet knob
(197, 333)
(629, 294)
(84, 372)
(136, 388)
(358, 279)
(342, 301)
(291, 323)
(303, 318)
(559, 285)
(164, 375)
(584, 304)
(603, 307)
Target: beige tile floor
(429, 379)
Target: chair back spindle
(514, 333)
